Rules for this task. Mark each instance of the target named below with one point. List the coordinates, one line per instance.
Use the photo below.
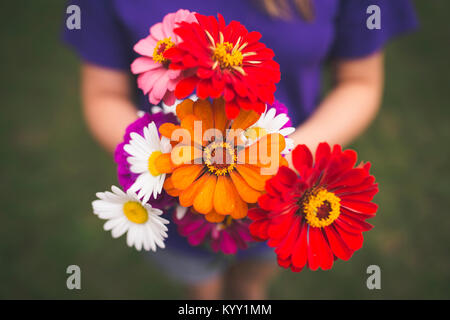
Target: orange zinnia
(215, 172)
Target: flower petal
(252, 175)
(247, 193)
(300, 254)
(302, 158)
(163, 164)
(203, 111)
(214, 217)
(203, 201)
(184, 176)
(187, 196)
(245, 119)
(224, 196)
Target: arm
(107, 104)
(349, 108)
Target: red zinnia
(227, 61)
(319, 216)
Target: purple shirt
(110, 28)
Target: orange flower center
(160, 48)
(320, 207)
(220, 158)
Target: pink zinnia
(227, 236)
(155, 78)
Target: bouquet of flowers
(214, 155)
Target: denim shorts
(192, 265)
(187, 268)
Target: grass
(51, 168)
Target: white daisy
(143, 151)
(173, 108)
(127, 214)
(269, 123)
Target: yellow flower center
(321, 208)
(220, 158)
(135, 212)
(255, 133)
(160, 48)
(227, 56)
(151, 163)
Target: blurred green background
(51, 168)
